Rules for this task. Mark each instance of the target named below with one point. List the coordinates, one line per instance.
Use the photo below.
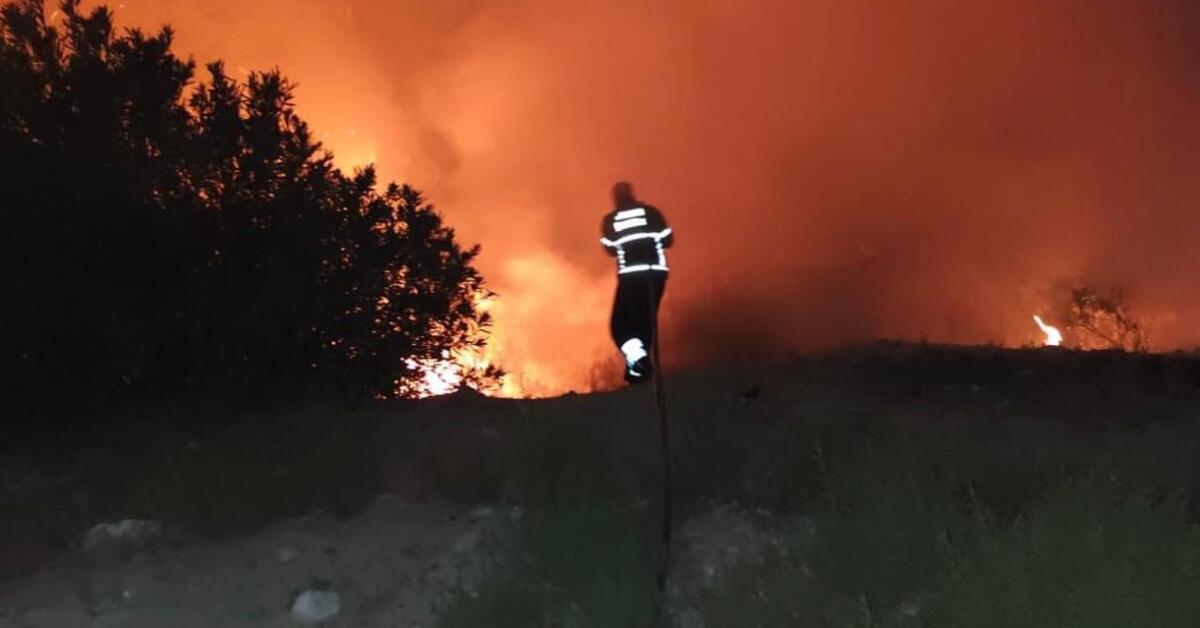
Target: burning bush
(1102, 320)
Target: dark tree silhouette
(158, 236)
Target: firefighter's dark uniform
(638, 236)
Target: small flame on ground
(456, 369)
(1054, 337)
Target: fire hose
(660, 399)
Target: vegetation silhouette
(1102, 320)
(160, 236)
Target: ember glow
(1054, 337)
(835, 172)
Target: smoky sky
(836, 171)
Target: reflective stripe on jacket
(638, 237)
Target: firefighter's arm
(660, 224)
(607, 236)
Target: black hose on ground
(660, 399)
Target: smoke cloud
(835, 171)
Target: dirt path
(391, 565)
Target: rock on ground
(314, 607)
(123, 538)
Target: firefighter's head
(622, 194)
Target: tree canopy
(162, 234)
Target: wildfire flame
(440, 377)
(450, 373)
(1054, 337)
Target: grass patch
(1086, 557)
(567, 463)
(943, 507)
(269, 471)
(899, 548)
(879, 535)
(578, 566)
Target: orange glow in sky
(835, 172)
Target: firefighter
(638, 236)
